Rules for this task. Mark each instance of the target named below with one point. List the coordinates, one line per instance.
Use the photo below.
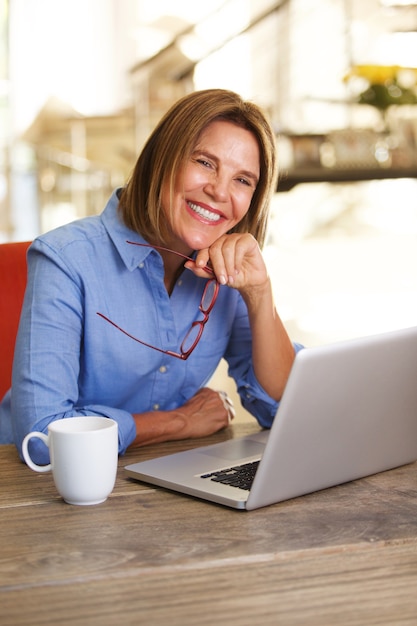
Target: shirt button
(163, 369)
(141, 265)
(155, 407)
(179, 283)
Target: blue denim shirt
(69, 361)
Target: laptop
(349, 410)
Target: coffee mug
(83, 453)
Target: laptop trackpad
(235, 449)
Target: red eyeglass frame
(183, 354)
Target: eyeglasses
(193, 336)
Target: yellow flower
(378, 74)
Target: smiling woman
(201, 189)
(177, 137)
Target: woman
(111, 298)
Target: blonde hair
(169, 148)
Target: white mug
(84, 453)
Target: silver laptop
(349, 410)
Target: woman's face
(214, 189)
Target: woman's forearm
(272, 350)
(204, 414)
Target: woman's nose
(217, 187)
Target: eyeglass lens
(208, 300)
(209, 296)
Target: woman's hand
(204, 414)
(236, 260)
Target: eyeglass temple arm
(206, 268)
(148, 345)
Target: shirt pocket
(203, 362)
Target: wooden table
(346, 555)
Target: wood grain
(365, 586)
(346, 555)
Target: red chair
(13, 275)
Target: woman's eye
(245, 181)
(203, 162)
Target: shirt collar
(119, 233)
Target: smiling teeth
(208, 215)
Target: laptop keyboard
(240, 476)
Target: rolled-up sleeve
(255, 400)
(239, 357)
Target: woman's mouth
(205, 213)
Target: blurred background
(83, 82)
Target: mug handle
(26, 456)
